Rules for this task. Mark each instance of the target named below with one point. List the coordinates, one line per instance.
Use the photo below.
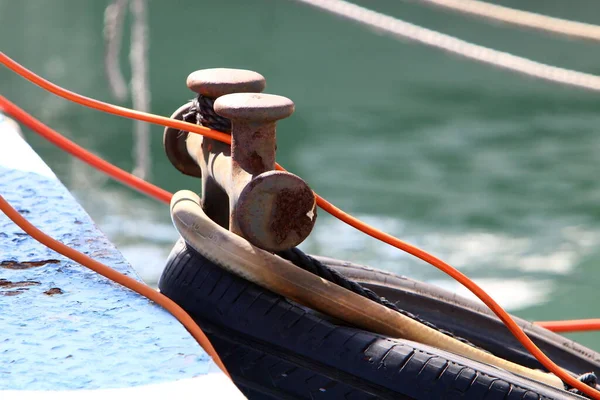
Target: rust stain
(101, 253)
(290, 214)
(53, 291)
(26, 264)
(259, 135)
(256, 163)
(11, 293)
(6, 284)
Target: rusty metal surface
(267, 214)
(278, 210)
(216, 82)
(256, 107)
(63, 326)
(211, 155)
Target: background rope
(114, 16)
(140, 87)
(521, 18)
(400, 29)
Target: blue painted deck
(63, 327)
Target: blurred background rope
(114, 17)
(521, 18)
(405, 30)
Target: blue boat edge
(68, 330)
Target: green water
(495, 173)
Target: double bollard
(241, 190)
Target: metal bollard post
(189, 153)
(274, 210)
(241, 191)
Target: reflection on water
(493, 172)
(514, 294)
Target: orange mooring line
(77, 151)
(572, 325)
(333, 210)
(115, 276)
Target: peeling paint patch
(26, 264)
(53, 291)
(6, 284)
(11, 292)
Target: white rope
(522, 18)
(114, 16)
(405, 30)
(113, 32)
(140, 93)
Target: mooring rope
(405, 30)
(521, 18)
(590, 379)
(140, 86)
(203, 113)
(114, 16)
(314, 266)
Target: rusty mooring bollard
(189, 152)
(273, 210)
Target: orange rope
(115, 276)
(77, 151)
(330, 208)
(573, 325)
(110, 108)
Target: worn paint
(26, 264)
(64, 326)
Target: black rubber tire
(469, 319)
(276, 349)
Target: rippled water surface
(493, 172)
